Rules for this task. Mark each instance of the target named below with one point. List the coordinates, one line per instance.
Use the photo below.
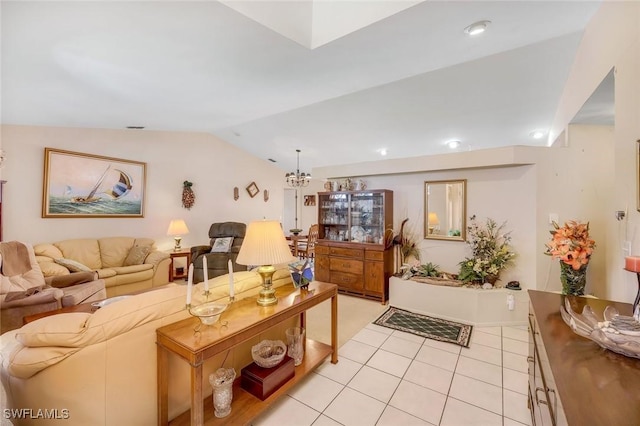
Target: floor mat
(426, 326)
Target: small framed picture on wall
(309, 200)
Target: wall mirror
(445, 203)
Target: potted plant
(491, 252)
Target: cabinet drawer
(346, 265)
(347, 252)
(373, 255)
(347, 280)
(320, 249)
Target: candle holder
(208, 313)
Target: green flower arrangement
(491, 252)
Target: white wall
(612, 41)
(214, 166)
(576, 182)
(503, 194)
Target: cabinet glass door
(367, 217)
(357, 217)
(334, 217)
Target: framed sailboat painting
(86, 185)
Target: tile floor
(386, 377)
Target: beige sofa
(101, 367)
(108, 256)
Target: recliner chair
(25, 291)
(217, 263)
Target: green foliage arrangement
(491, 252)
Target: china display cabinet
(351, 250)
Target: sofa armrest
(46, 295)
(199, 250)
(161, 262)
(155, 257)
(62, 281)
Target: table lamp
(265, 245)
(177, 228)
(433, 221)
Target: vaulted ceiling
(339, 80)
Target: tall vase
(222, 383)
(295, 342)
(573, 281)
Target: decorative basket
(269, 353)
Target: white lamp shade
(264, 244)
(177, 227)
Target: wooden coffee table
(245, 320)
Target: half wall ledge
(484, 308)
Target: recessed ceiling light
(537, 134)
(383, 151)
(453, 144)
(477, 28)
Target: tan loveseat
(101, 367)
(108, 256)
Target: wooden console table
(245, 320)
(572, 380)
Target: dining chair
(307, 246)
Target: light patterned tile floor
(391, 378)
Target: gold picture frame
(252, 189)
(80, 185)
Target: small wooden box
(262, 382)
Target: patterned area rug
(426, 326)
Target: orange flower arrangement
(571, 244)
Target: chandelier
(298, 179)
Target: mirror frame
(463, 231)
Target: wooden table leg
(303, 325)
(163, 385)
(334, 328)
(197, 409)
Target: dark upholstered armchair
(217, 263)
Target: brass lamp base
(267, 295)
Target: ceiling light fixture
(298, 179)
(453, 144)
(477, 28)
(537, 134)
(383, 152)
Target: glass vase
(222, 383)
(295, 343)
(573, 281)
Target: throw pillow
(72, 265)
(137, 255)
(222, 245)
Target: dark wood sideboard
(572, 380)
